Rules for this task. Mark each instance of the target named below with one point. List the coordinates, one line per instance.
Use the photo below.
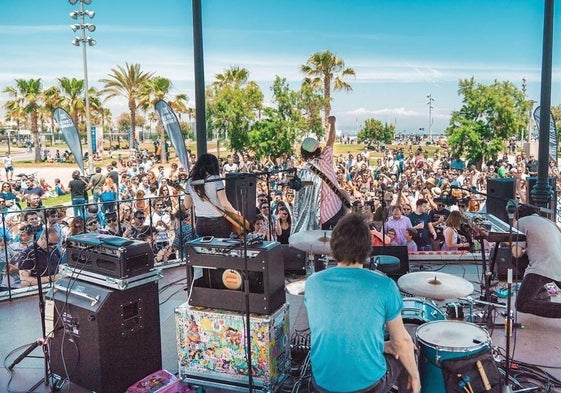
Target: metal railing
(167, 253)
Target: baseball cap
(310, 144)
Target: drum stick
(483, 375)
(462, 384)
(467, 380)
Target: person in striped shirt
(316, 205)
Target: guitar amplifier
(215, 272)
(107, 255)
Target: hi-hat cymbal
(435, 285)
(315, 241)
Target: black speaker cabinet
(294, 260)
(505, 260)
(399, 252)
(499, 191)
(104, 338)
(241, 187)
(207, 261)
(531, 182)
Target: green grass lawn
(55, 201)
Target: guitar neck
(342, 196)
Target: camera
(33, 230)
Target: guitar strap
(331, 185)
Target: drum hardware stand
(471, 301)
(243, 194)
(511, 209)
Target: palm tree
(126, 82)
(72, 91)
(179, 104)
(234, 76)
(154, 90)
(28, 93)
(51, 100)
(14, 109)
(324, 69)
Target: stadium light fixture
(84, 41)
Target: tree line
(237, 115)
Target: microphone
(511, 208)
(197, 182)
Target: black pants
(217, 227)
(532, 297)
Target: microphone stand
(243, 194)
(243, 211)
(487, 268)
(43, 340)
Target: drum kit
(439, 337)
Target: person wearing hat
(317, 205)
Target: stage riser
(211, 347)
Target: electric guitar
(341, 194)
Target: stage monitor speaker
(238, 184)
(294, 260)
(505, 260)
(531, 182)
(105, 339)
(499, 192)
(215, 272)
(399, 252)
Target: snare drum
(444, 340)
(417, 311)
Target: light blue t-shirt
(347, 309)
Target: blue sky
(401, 50)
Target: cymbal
(435, 285)
(296, 287)
(315, 241)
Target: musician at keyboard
(543, 247)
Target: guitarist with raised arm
(321, 203)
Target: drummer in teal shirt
(347, 308)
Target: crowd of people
(408, 196)
(405, 197)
